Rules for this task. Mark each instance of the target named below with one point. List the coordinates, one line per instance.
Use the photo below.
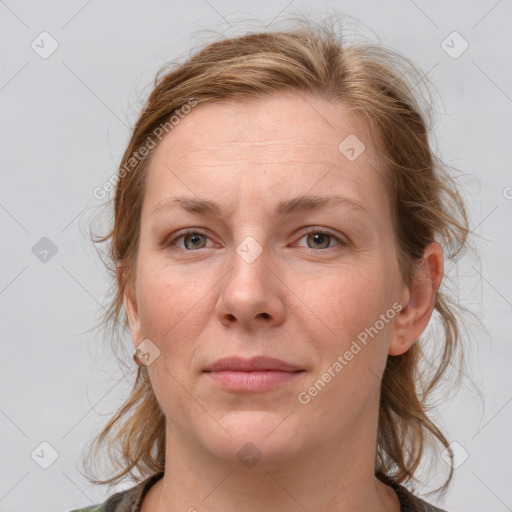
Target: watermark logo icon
(351, 147)
(460, 455)
(249, 454)
(44, 455)
(44, 250)
(249, 249)
(454, 45)
(44, 45)
(147, 352)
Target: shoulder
(129, 500)
(411, 503)
(91, 508)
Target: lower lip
(251, 381)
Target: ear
(132, 312)
(418, 301)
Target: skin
(301, 300)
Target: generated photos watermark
(357, 345)
(142, 151)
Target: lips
(255, 364)
(256, 375)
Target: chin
(256, 439)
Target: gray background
(65, 123)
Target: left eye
(320, 239)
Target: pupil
(195, 239)
(319, 238)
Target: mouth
(251, 375)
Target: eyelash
(184, 233)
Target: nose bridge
(250, 250)
(249, 291)
(250, 232)
(248, 262)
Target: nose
(252, 293)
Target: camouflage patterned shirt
(130, 500)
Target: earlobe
(419, 302)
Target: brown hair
(388, 93)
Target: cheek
(357, 320)
(172, 310)
(176, 306)
(167, 297)
(352, 352)
(354, 298)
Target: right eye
(191, 238)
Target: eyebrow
(282, 209)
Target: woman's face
(258, 273)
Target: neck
(337, 475)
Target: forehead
(278, 145)
(289, 121)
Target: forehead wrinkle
(281, 209)
(273, 147)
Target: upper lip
(259, 363)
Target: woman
(280, 220)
